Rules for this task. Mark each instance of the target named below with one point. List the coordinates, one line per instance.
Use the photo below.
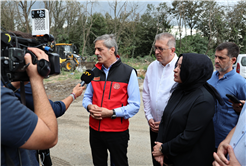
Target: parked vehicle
(240, 65)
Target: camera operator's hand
(32, 69)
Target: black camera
(13, 50)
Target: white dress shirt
(158, 82)
(238, 140)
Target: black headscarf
(195, 70)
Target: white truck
(240, 65)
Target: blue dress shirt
(225, 118)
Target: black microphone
(86, 77)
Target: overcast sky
(102, 6)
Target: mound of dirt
(59, 90)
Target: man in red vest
(111, 98)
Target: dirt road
(73, 147)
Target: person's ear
(112, 49)
(172, 49)
(234, 59)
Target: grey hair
(109, 41)
(165, 35)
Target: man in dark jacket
(111, 98)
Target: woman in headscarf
(186, 132)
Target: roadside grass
(140, 64)
(64, 75)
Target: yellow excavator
(69, 58)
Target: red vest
(110, 93)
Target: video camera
(12, 57)
(13, 50)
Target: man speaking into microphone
(111, 98)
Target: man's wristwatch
(114, 115)
(160, 148)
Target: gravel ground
(73, 147)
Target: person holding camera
(21, 128)
(59, 107)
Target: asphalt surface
(73, 148)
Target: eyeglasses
(160, 48)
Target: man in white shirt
(234, 144)
(158, 82)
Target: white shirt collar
(173, 61)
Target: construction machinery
(69, 58)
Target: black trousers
(115, 142)
(153, 137)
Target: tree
(98, 28)
(162, 19)
(8, 15)
(192, 11)
(212, 24)
(195, 44)
(49, 6)
(178, 11)
(128, 38)
(86, 21)
(73, 9)
(120, 17)
(149, 25)
(236, 17)
(24, 10)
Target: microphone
(86, 77)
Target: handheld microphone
(86, 77)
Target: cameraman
(59, 108)
(21, 128)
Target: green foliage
(148, 25)
(99, 27)
(243, 46)
(139, 62)
(188, 12)
(149, 58)
(193, 44)
(77, 75)
(124, 51)
(74, 22)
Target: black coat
(186, 129)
